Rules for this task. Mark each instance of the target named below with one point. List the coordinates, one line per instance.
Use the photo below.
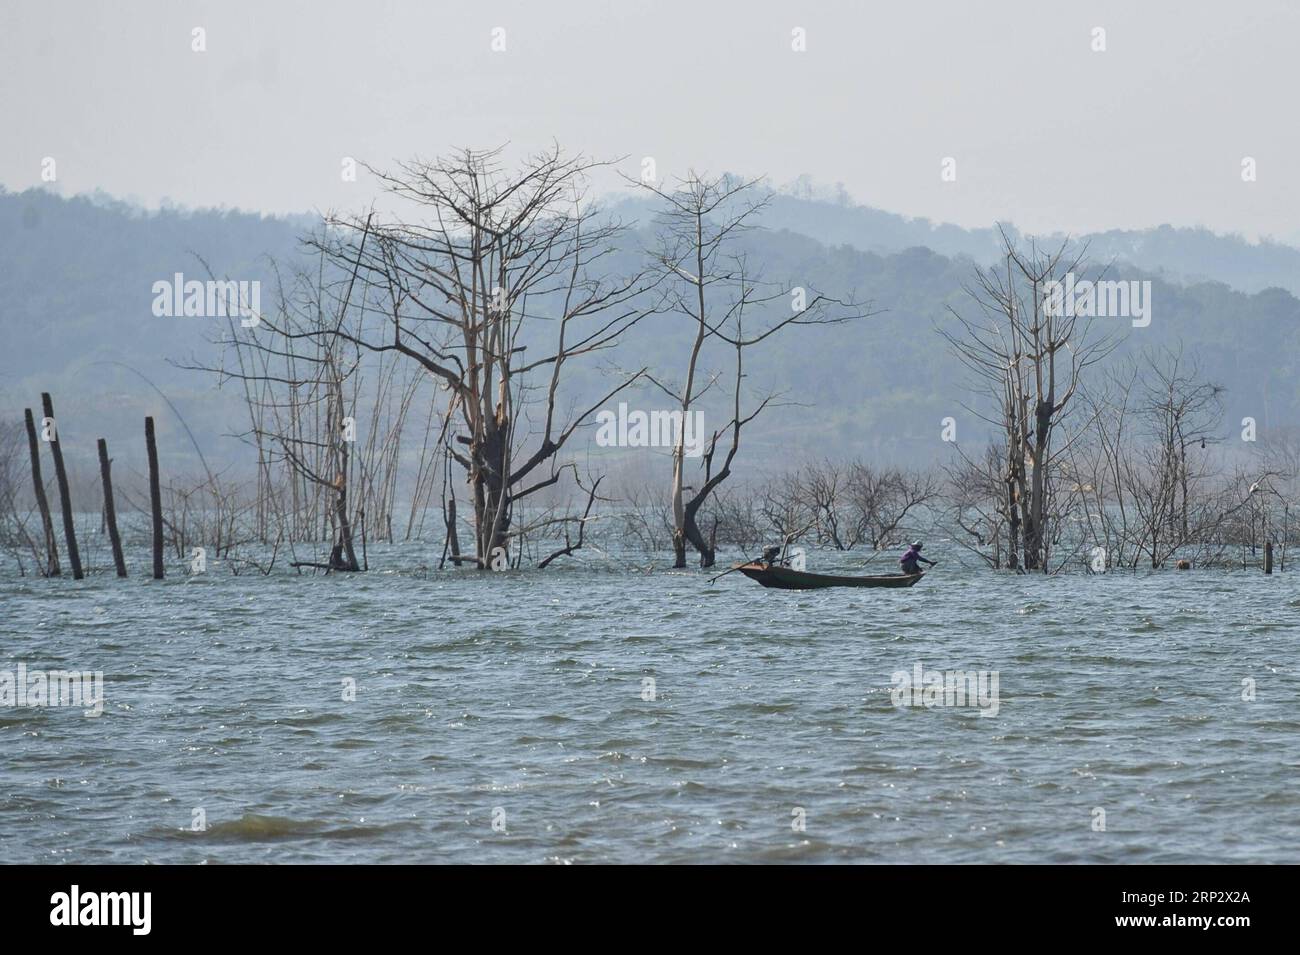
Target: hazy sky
(1045, 132)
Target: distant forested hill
(1179, 254)
(75, 309)
(76, 279)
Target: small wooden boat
(786, 578)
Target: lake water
(521, 699)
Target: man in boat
(912, 557)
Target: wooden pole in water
(65, 497)
(110, 510)
(453, 538)
(365, 559)
(1268, 557)
(52, 568)
(155, 499)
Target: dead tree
(304, 387)
(978, 509)
(571, 545)
(879, 501)
(14, 537)
(1143, 466)
(1183, 412)
(1030, 357)
(491, 282)
(705, 280)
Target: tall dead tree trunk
(110, 509)
(453, 537)
(155, 499)
(344, 555)
(65, 496)
(52, 568)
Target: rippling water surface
(519, 697)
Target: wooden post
(453, 538)
(110, 510)
(365, 559)
(65, 497)
(52, 568)
(155, 499)
(1286, 532)
(1268, 557)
